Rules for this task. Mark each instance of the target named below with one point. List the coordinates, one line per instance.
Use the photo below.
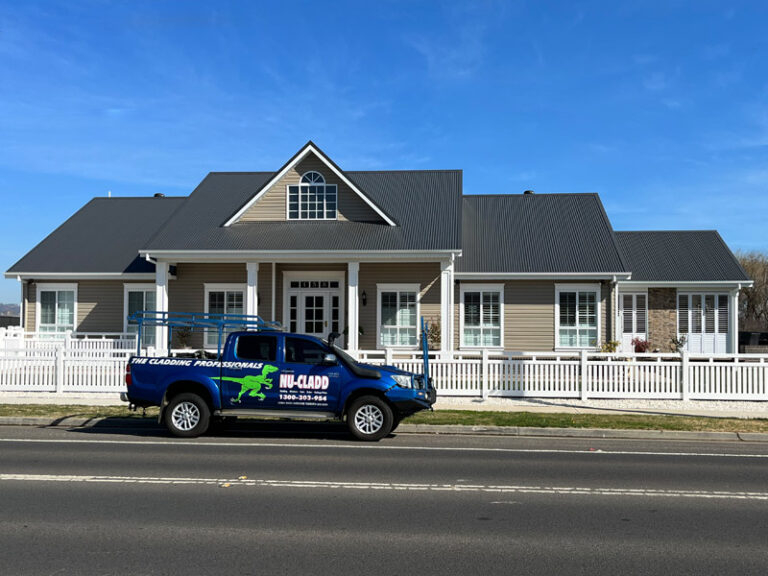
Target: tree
(753, 302)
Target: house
(322, 249)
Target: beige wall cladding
(186, 293)
(100, 306)
(272, 205)
(662, 318)
(30, 294)
(529, 314)
(426, 275)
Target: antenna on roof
(109, 193)
(529, 192)
(159, 195)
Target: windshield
(343, 355)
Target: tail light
(128, 379)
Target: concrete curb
(80, 422)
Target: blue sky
(660, 107)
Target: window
(312, 199)
(577, 316)
(222, 299)
(257, 347)
(57, 307)
(702, 313)
(398, 315)
(300, 351)
(139, 297)
(482, 315)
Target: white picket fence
(96, 362)
(72, 362)
(588, 375)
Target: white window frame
(397, 288)
(325, 185)
(634, 294)
(703, 294)
(220, 288)
(127, 287)
(498, 288)
(51, 287)
(597, 289)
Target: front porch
(382, 298)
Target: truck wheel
(369, 418)
(187, 415)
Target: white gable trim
(299, 157)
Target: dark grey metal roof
(425, 204)
(538, 233)
(679, 256)
(104, 236)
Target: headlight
(402, 381)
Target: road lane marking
(360, 446)
(390, 486)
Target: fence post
(584, 376)
(59, 369)
(485, 371)
(684, 383)
(388, 356)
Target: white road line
(335, 485)
(182, 443)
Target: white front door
(634, 319)
(314, 307)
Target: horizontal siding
(426, 275)
(100, 306)
(30, 294)
(272, 205)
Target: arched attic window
(312, 198)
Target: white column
(252, 290)
(446, 306)
(24, 304)
(274, 274)
(161, 305)
(733, 322)
(353, 305)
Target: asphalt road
(307, 500)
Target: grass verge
(461, 417)
(611, 421)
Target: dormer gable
(310, 187)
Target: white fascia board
(542, 276)
(299, 157)
(237, 256)
(688, 285)
(79, 276)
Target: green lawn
(463, 417)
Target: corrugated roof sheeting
(679, 256)
(104, 236)
(537, 233)
(426, 205)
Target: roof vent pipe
(159, 195)
(529, 192)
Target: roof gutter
(325, 256)
(690, 283)
(612, 276)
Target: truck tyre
(369, 418)
(187, 415)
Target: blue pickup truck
(270, 373)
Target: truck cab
(270, 373)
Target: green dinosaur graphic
(252, 384)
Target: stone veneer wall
(662, 318)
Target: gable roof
(538, 234)
(309, 148)
(103, 237)
(680, 256)
(425, 203)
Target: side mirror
(332, 337)
(330, 359)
